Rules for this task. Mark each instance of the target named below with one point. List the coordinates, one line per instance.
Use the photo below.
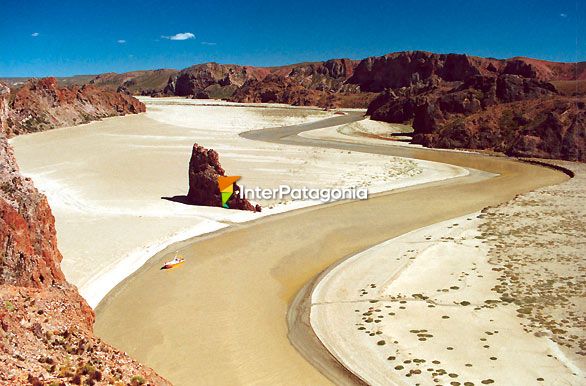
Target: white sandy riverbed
(418, 309)
(105, 180)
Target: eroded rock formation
(204, 169)
(45, 325)
(41, 104)
(553, 127)
(211, 79)
(280, 89)
(502, 106)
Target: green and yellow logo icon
(226, 185)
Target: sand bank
(367, 131)
(232, 295)
(420, 308)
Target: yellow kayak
(173, 263)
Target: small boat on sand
(177, 260)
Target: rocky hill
(222, 80)
(452, 100)
(340, 76)
(352, 83)
(553, 127)
(136, 82)
(41, 104)
(505, 106)
(16, 82)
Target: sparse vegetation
(137, 380)
(8, 305)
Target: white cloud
(208, 43)
(180, 36)
(35, 34)
(563, 14)
(121, 41)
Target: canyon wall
(45, 325)
(503, 106)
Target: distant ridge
(517, 106)
(337, 75)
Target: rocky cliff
(306, 84)
(455, 101)
(552, 127)
(204, 169)
(435, 92)
(45, 325)
(213, 80)
(351, 83)
(409, 68)
(136, 82)
(41, 104)
(452, 100)
(280, 89)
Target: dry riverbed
(108, 179)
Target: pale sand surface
(105, 180)
(220, 319)
(365, 131)
(419, 309)
(542, 264)
(368, 131)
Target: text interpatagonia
(304, 193)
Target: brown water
(221, 318)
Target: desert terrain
(109, 179)
(432, 239)
(268, 261)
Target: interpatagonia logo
(226, 185)
(304, 193)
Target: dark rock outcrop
(553, 127)
(199, 78)
(513, 114)
(404, 69)
(41, 104)
(204, 169)
(281, 89)
(123, 90)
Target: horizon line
(289, 64)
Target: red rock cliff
(41, 104)
(45, 325)
(457, 101)
(27, 230)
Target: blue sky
(41, 38)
